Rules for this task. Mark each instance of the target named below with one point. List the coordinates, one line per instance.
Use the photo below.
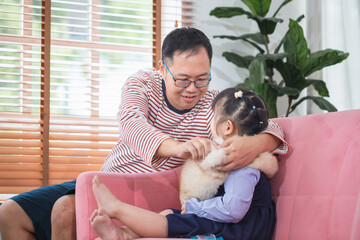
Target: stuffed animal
(202, 180)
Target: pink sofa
(317, 189)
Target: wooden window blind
(62, 66)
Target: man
(164, 118)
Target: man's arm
(133, 115)
(243, 150)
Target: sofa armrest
(152, 191)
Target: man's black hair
(184, 39)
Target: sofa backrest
(318, 184)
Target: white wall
(226, 74)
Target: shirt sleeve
(134, 126)
(234, 204)
(275, 130)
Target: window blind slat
(78, 145)
(21, 167)
(20, 151)
(76, 160)
(18, 143)
(18, 174)
(12, 135)
(59, 168)
(23, 159)
(69, 152)
(19, 182)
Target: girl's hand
(195, 149)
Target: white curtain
(340, 26)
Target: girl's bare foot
(104, 227)
(104, 198)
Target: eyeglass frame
(187, 80)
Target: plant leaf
(240, 61)
(285, 90)
(270, 96)
(255, 45)
(269, 61)
(295, 44)
(321, 102)
(292, 75)
(258, 7)
(300, 18)
(283, 4)
(256, 37)
(320, 87)
(277, 49)
(244, 38)
(267, 25)
(228, 12)
(320, 59)
(272, 57)
(256, 73)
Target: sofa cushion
(317, 186)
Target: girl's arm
(232, 207)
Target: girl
(242, 208)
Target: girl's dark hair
(183, 39)
(249, 112)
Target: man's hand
(241, 151)
(195, 149)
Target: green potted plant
(295, 64)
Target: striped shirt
(146, 119)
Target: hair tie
(238, 94)
(253, 107)
(261, 122)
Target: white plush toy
(202, 180)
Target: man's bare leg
(107, 230)
(143, 222)
(63, 220)
(14, 222)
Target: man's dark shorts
(38, 204)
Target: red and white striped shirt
(145, 121)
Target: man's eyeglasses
(186, 82)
